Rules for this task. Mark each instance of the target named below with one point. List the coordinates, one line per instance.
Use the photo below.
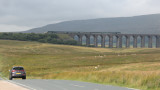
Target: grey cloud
(35, 13)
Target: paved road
(64, 85)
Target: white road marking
(4, 78)
(21, 85)
(77, 85)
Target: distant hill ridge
(145, 24)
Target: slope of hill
(136, 24)
(135, 68)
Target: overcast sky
(20, 15)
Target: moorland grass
(135, 68)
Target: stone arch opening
(124, 40)
(131, 41)
(138, 42)
(107, 41)
(146, 41)
(154, 42)
(83, 40)
(114, 41)
(76, 37)
(92, 40)
(99, 40)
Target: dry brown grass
(136, 68)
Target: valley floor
(135, 68)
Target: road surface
(38, 84)
(42, 84)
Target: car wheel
(10, 78)
(24, 77)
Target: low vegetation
(136, 68)
(44, 38)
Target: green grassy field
(135, 68)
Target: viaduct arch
(119, 38)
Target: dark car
(17, 72)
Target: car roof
(17, 66)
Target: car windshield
(18, 68)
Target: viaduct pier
(115, 35)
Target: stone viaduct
(119, 38)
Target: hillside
(136, 68)
(137, 24)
